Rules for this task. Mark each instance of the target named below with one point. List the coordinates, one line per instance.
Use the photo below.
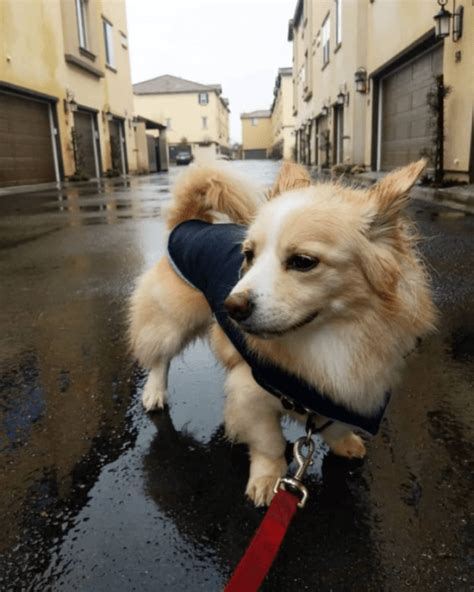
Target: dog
(331, 290)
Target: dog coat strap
(209, 258)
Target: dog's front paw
(260, 489)
(152, 398)
(351, 446)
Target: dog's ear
(291, 176)
(389, 197)
(381, 271)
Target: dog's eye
(302, 262)
(249, 255)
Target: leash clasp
(304, 461)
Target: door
(117, 146)
(324, 141)
(338, 148)
(405, 118)
(152, 153)
(316, 142)
(26, 141)
(86, 145)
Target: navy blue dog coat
(209, 257)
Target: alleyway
(97, 496)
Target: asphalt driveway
(97, 496)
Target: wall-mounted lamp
(70, 106)
(107, 114)
(324, 110)
(360, 78)
(443, 21)
(342, 97)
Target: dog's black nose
(239, 306)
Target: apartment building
(66, 101)
(362, 71)
(196, 115)
(283, 120)
(257, 136)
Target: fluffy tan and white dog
(332, 290)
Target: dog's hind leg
(253, 417)
(165, 315)
(343, 442)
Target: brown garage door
(26, 149)
(405, 114)
(86, 150)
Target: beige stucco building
(283, 120)
(257, 136)
(66, 101)
(196, 115)
(392, 47)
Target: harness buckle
(294, 483)
(294, 486)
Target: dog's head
(323, 252)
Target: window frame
(82, 27)
(326, 40)
(123, 40)
(107, 28)
(254, 121)
(338, 23)
(204, 94)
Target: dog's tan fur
(369, 290)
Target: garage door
(256, 153)
(86, 147)
(405, 114)
(26, 149)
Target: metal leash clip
(294, 484)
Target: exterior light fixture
(325, 110)
(360, 78)
(457, 23)
(340, 98)
(443, 21)
(70, 106)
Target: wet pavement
(97, 496)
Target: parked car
(183, 157)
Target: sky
(239, 44)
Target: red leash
(255, 564)
(258, 558)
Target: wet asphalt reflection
(97, 496)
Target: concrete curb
(459, 197)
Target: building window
(204, 122)
(109, 44)
(168, 123)
(81, 10)
(325, 40)
(254, 121)
(306, 71)
(203, 98)
(338, 22)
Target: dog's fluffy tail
(203, 191)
